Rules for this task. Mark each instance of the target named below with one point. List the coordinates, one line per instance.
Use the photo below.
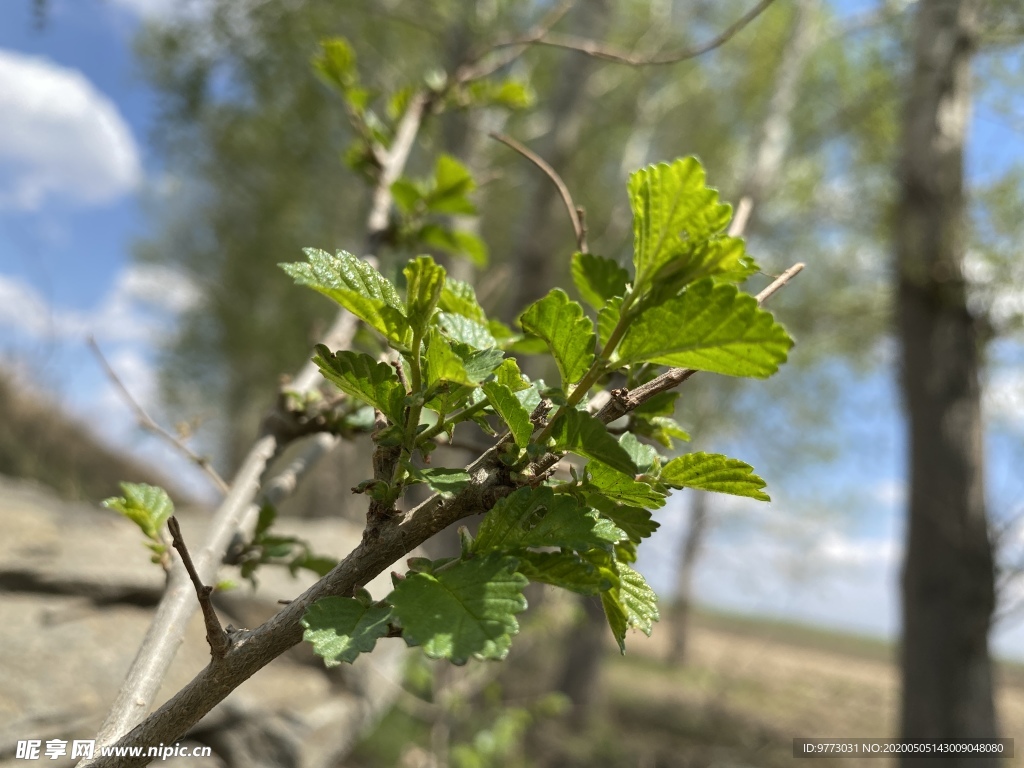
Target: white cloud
(60, 137)
(1004, 397)
(149, 8)
(841, 550)
(137, 307)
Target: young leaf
(631, 605)
(623, 488)
(424, 284)
(637, 523)
(360, 376)
(722, 257)
(459, 298)
(467, 609)
(407, 194)
(443, 363)
(598, 279)
(586, 436)
(672, 210)
(340, 628)
(479, 363)
(607, 318)
(568, 333)
(710, 327)
(466, 330)
(511, 411)
(714, 472)
(508, 375)
(644, 456)
(456, 241)
(336, 63)
(148, 506)
(443, 480)
(563, 569)
(358, 287)
(537, 517)
(452, 182)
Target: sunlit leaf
(710, 327)
(714, 472)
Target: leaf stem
(457, 417)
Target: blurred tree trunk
(692, 546)
(584, 645)
(948, 593)
(770, 149)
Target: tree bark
(948, 580)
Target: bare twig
(479, 67)
(215, 635)
(608, 53)
(574, 211)
(147, 422)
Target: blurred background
(158, 158)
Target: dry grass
(751, 687)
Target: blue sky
(73, 162)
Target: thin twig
(574, 211)
(477, 67)
(215, 634)
(608, 53)
(147, 422)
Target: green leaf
(148, 506)
(360, 376)
(660, 428)
(631, 605)
(443, 363)
(471, 332)
(511, 411)
(623, 488)
(424, 283)
(455, 241)
(459, 298)
(479, 363)
(710, 327)
(607, 318)
(714, 472)
(407, 194)
(598, 279)
(511, 94)
(563, 569)
(723, 257)
(452, 182)
(444, 480)
(340, 628)
(508, 375)
(336, 63)
(568, 333)
(644, 456)
(356, 286)
(672, 211)
(537, 517)
(467, 609)
(635, 522)
(586, 436)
